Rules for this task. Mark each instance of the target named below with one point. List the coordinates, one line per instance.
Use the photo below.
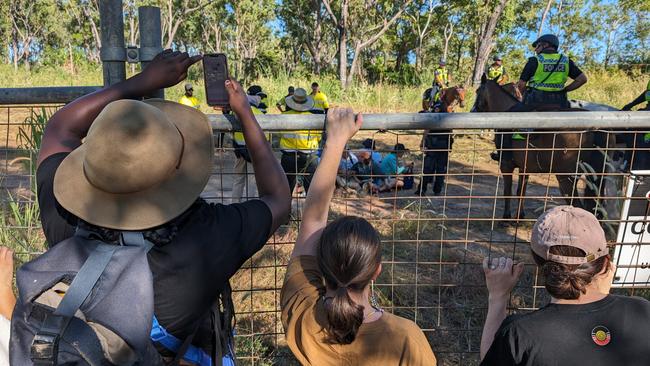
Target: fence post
(112, 53)
(150, 39)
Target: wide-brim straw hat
(300, 101)
(141, 165)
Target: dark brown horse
(563, 154)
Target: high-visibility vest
(547, 76)
(304, 140)
(320, 101)
(495, 73)
(189, 101)
(238, 137)
(441, 74)
(647, 93)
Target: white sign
(632, 253)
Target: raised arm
(271, 180)
(341, 126)
(69, 125)
(500, 277)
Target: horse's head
(453, 96)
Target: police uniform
(440, 81)
(496, 72)
(299, 153)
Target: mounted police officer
(543, 79)
(496, 71)
(542, 82)
(643, 97)
(441, 80)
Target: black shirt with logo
(611, 331)
(213, 241)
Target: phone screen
(215, 69)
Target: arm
(341, 126)
(69, 125)
(640, 99)
(576, 83)
(500, 277)
(271, 180)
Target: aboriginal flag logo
(601, 335)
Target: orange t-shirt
(390, 340)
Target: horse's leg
(507, 189)
(521, 194)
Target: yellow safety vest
(548, 77)
(300, 140)
(189, 101)
(647, 93)
(442, 74)
(239, 136)
(320, 101)
(496, 73)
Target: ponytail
(349, 254)
(344, 317)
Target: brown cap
(570, 226)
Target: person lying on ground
(327, 311)
(142, 166)
(7, 300)
(392, 168)
(583, 324)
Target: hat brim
(156, 205)
(301, 107)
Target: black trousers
(434, 163)
(298, 164)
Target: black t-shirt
(561, 334)
(531, 67)
(213, 241)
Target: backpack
(88, 302)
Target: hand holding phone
(215, 71)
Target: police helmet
(548, 38)
(442, 62)
(496, 58)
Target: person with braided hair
(329, 311)
(583, 324)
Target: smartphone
(215, 71)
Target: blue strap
(194, 354)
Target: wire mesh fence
(434, 238)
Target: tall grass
(612, 87)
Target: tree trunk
(544, 15)
(343, 44)
(448, 32)
(485, 41)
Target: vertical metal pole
(150, 39)
(112, 53)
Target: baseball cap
(188, 86)
(400, 147)
(570, 226)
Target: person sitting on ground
(583, 324)
(366, 171)
(369, 144)
(299, 148)
(320, 99)
(142, 166)
(328, 311)
(281, 103)
(243, 163)
(346, 177)
(391, 169)
(188, 98)
(643, 97)
(7, 300)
